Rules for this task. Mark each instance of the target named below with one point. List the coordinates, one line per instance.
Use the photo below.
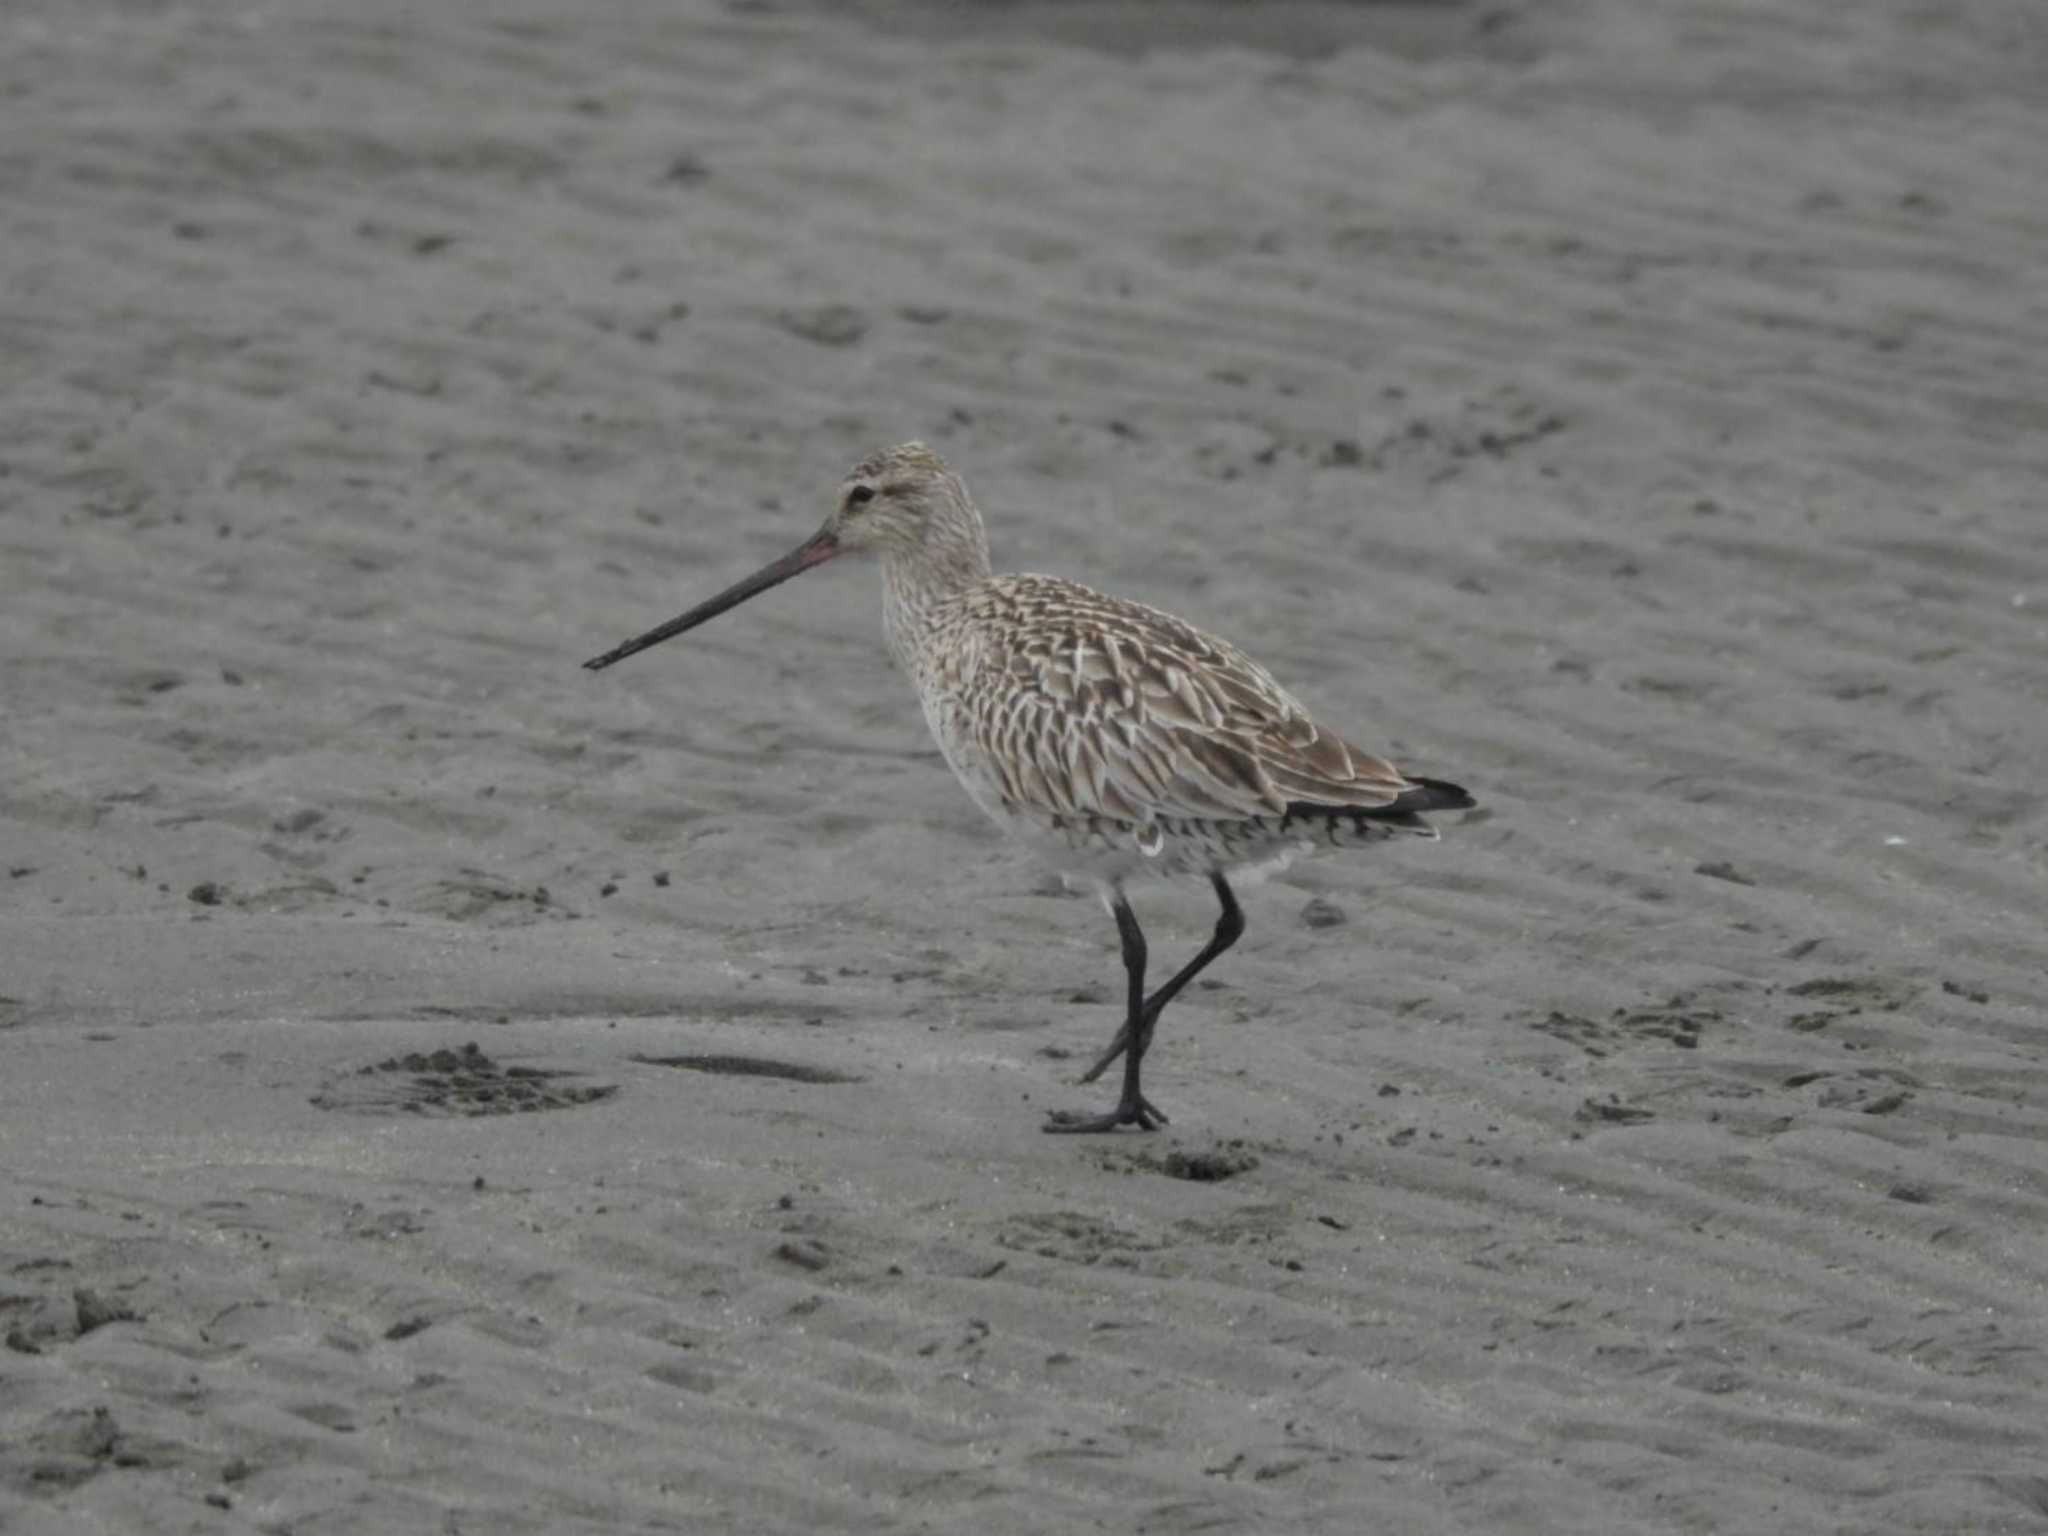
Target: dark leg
(1229, 929)
(1132, 1108)
(1135, 1038)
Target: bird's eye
(860, 494)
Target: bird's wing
(1084, 705)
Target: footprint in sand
(455, 1083)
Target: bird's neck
(916, 581)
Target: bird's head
(902, 503)
(897, 501)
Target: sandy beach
(442, 1089)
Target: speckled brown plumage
(1120, 732)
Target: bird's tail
(1404, 813)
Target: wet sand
(444, 1089)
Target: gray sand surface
(1637, 412)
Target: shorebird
(1112, 738)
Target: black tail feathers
(1404, 812)
(1434, 795)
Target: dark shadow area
(749, 1066)
(1296, 29)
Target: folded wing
(1090, 706)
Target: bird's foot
(1139, 1111)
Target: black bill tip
(814, 551)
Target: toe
(1142, 1113)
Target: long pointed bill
(816, 550)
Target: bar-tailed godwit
(1111, 737)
